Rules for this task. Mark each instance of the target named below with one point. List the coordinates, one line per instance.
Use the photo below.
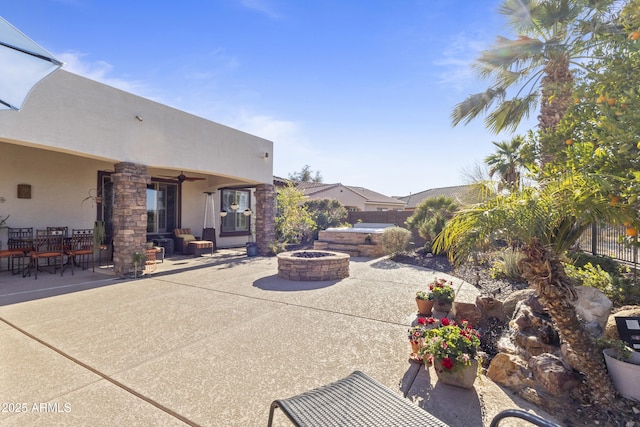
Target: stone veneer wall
(333, 267)
(350, 243)
(129, 214)
(265, 217)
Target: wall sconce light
(138, 117)
(234, 206)
(247, 212)
(223, 214)
(264, 155)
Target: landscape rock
(550, 372)
(611, 329)
(509, 304)
(533, 332)
(592, 306)
(491, 307)
(466, 311)
(509, 370)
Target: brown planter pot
(425, 306)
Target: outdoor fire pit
(313, 265)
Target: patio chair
(188, 244)
(11, 255)
(46, 246)
(523, 415)
(359, 400)
(19, 243)
(80, 250)
(355, 400)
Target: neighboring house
(87, 151)
(352, 198)
(461, 194)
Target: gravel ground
(476, 275)
(624, 413)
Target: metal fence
(602, 239)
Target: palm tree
(431, 216)
(544, 222)
(507, 162)
(552, 38)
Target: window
(236, 223)
(162, 207)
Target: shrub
(620, 285)
(430, 217)
(326, 213)
(592, 276)
(395, 240)
(506, 265)
(277, 247)
(293, 222)
(608, 264)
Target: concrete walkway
(213, 345)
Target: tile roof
(311, 188)
(462, 194)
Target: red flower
(431, 320)
(447, 363)
(430, 287)
(422, 321)
(445, 321)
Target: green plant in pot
(442, 293)
(623, 365)
(138, 259)
(424, 301)
(451, 348)
(99, 234)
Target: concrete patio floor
(212, 341)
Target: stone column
(265, 217)
(129, 214)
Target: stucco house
(352, 198)
(462, 194)
(81, 151)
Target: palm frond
(507, 53)
(476, 104)
(555, 214)
(509, 114)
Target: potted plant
(424, 301)
(416, 335)
(3, 221)
(623, 365)
(252, 248)
(138, 259)
(451, 348)
(99, 234)
(442, 294)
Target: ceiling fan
(182, 177)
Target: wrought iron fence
(602, 239)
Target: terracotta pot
(463, 378)
(442, 306)
(425, 306)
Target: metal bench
(357, 400)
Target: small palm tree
(544, 222)
(508, 162)
(552, 38)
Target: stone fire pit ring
(309, 265)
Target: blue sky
(359, 90)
